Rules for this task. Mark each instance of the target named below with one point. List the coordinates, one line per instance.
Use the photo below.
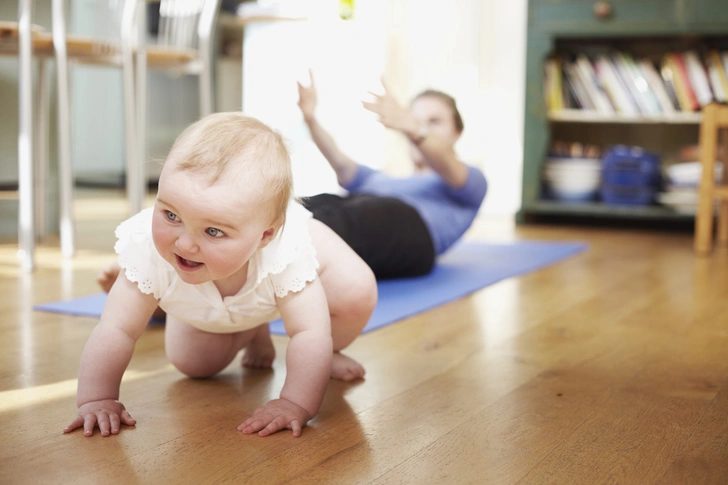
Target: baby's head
(242, 150)
(223, 194)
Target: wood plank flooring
(609, 367)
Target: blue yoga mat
(467, 267)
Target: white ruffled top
(285, 265)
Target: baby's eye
(211, 231)
(171, 216)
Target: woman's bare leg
(351, 291)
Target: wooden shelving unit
(554, 23)
(596, 209)
(586, 116)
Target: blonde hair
(223, 144)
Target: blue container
(627, 195)
(630, 176)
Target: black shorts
(388, 234)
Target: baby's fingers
(296, 426)
(251, 425)
(102, 419)
(89, 422)
(275, 425)
(127, 419)
(76, 423)
(115, 422)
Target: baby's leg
(202, 354)
(351, 291)
(259, 353)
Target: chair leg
(26, 219)
(141, 91)
(723, 181)
(207, 93)
(705, 213)
(141, 88)
(41, 153)
(65, 166)
(723, 223)
(130, 126)
(208, 21)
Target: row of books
(616, 83)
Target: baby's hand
(107, 415)
(276, 415)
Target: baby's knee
(191, 367)
(364, 292)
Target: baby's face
(206, 232)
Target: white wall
(347, 58)
(472, 49)
(475, 51)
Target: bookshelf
(571, 26)
(584, 116)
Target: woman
(399, 225)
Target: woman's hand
(107, 415)
(307, 99)
(391, 114)
(276, 415)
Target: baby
(224, 250)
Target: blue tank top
(447, 212)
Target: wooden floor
(610, 367)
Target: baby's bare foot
(345, 368)
(107, 276)
(259, 353)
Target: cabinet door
(707, 14)
(625, 16)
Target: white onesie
(286, 264)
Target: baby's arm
(106, 356)
(308, 363)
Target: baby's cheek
(162, 241)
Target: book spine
(698, 78)
(578, 88)
(595, 88)
(657, 87)
(667, 71)
(684, 82)
(721, 72)
(613, 86)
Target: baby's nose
(187, 243)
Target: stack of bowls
(572, 179)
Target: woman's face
(440, 119)
(438, 116)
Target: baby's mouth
(186, 263)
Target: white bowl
(575, 162)
(689, 173)
(572, 176)
(572, 195)
(573, 182)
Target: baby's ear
(269, 234)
